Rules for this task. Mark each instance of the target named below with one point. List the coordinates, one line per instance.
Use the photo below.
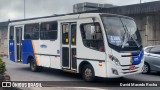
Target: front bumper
(122, 70)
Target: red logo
(131, 67)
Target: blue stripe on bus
(137, 57)
(27, 50)
(11, 50)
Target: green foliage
(2, 66)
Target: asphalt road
(21, 72)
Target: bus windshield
(122, 33)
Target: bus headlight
(115, 60)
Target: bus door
(68, 48)
(18, 43)
(11, 44)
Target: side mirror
(93, 29)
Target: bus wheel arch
(33, 65)
(146, 68)
(29, 59)
(87, 71)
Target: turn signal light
(100, 63)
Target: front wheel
(146, 69)
(88, 73)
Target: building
(87, 6)
(3, 38)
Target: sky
(14, 9)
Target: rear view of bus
(124, 54)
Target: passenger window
(65, 32)
(92, 36)
(11, 35)
(31, 31)
(48, 30)
(73, 33)
(155, 50)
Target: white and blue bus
(93, 44)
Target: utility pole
(140, 1)
(24, 9)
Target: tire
(33, 66)
(88, 73)
(146, 68)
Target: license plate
(131, 67)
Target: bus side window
(31, 31)
(48, 30)
(11, 34)
(65, 32)
(27, 36)
(73, 33)
(92, 40)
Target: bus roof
(59, 15)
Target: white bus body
(93, 44)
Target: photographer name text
(138, 84)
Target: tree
(2, 66)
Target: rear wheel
(33, 66)
(88, 73)
(146, 68)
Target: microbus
(92, 44)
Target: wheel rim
(88, 73)
(145, 68)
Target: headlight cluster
(115, 60)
